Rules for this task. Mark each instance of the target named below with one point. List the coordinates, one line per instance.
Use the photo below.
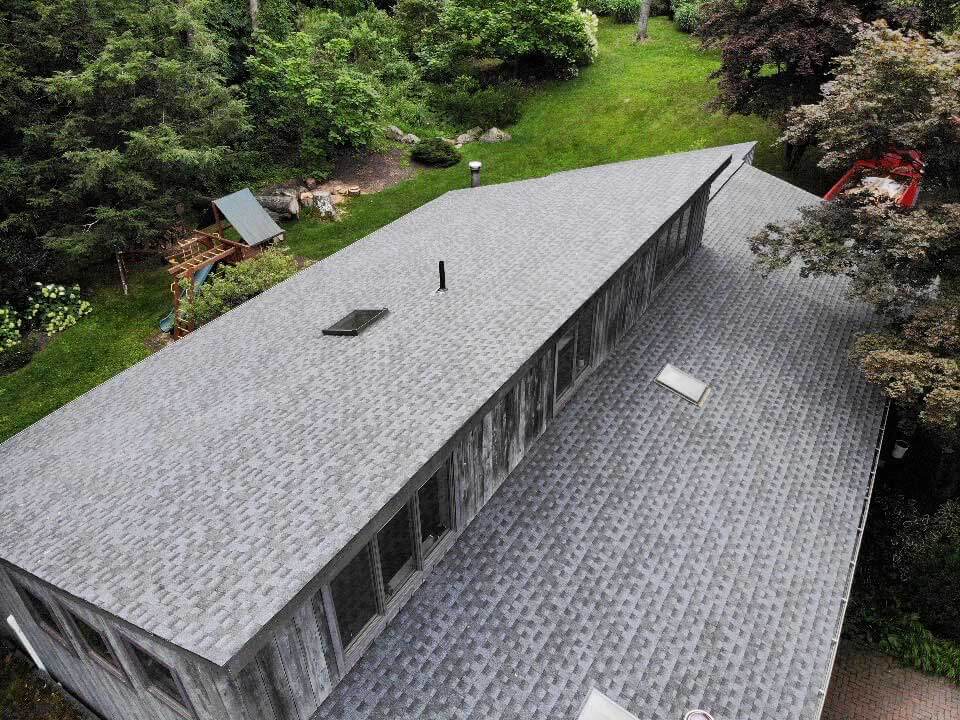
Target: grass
(635, 101)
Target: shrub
(915, 646)
(626, 11)
(10, 324)
(236, 284)
(602, 8)
(54, 308)
(465, 103)
(436, 152)
(686, 16)
(15, 357)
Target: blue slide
(166, 323)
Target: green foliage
(895, 88)
(54, 308)
(10, 328)
(537, 37)
(435, 152)
(686, 15)
(322, 89)
(465, 103)
(915, 646)
(138, 124)
(904, 264)
(277, 18)
(236, 284)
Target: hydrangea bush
(54, 308)
(10, 323)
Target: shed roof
(673, 557)
(248, 217)
(200, 526)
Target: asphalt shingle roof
(671, 556)
(194, 494)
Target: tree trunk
(643, 21)
(792, 154)
(254, 10)
(283, 204)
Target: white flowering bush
(10, 323)
(54, 308)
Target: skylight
(683, 384)
(355, 322)
(599, 707)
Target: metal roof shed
(248, 217)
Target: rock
(311, 183)
(306, 199)
(495, 135)
(393, 133)
(448, 141)
(469, 136)
(355, 190)
(324, 207)
(410, 139)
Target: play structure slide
(166, 323)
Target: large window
(159, 677)
(97, 643)
(395, 541)
(566, 360)
(434, 502)
(43, 614)
(354, 596)
(585, 339)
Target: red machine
(896, 176)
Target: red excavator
(895, 176)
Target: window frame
(387, 606)
(77, 620)
(389, 598)
(182, 705)
(58, 634)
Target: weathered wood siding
(291, 666)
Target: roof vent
(687, 387)
(599, 707)
(698, 715)
(355, 322)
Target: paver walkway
(869, 686)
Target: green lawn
(635, 101)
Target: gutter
(844, 604)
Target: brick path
(868, 686)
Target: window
(395, 541)
(354, 597)
(434, 501)
(43, 614)
(585, 339)
(566, 349)
(96, 642)
(159, 677)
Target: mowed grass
(635, 101)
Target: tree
(774, 53)
(894, 89)
(643, 21)
(907, 265)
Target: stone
(310, 182)
(448, 141)
(410, 139)
(495, 135)
(393, 133)
(355, 190)
(469, 136)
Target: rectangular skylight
(355, 322)
(599, 707)
(683, 384)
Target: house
(609, 458)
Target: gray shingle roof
(194, 494)
(672, 557)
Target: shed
(476, 503)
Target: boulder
(495, 135)
(469, 136)
(410, 139)
(393, 133)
